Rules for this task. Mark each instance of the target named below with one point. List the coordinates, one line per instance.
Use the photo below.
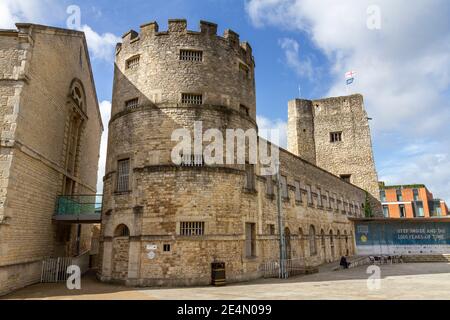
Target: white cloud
(291, 48)
(273, 130)
(101, 46)
(33, 11)
(105, 110)
(403, 69)
(48, 12)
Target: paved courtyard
(403, 281)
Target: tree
(368, 207)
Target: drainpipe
(283, 273)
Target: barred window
(123, 175)
(192, 160)
(335, 137)
(189, 98)
(133, 62)
(132, 104)
(191, 55)
(192, 228)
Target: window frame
(131, 64)
(336, 136)
(191, 55)
(123, 179)
(132, 104)
(192, 228)
(192, 98)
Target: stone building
(164, 224)
(50, 137)
(334, 134)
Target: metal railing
(55, 269)
(78, 207)
(292, 267)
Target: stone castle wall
(163, 195)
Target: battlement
(314, 107)
(179, 27)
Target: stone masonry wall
(163, 195)
(32, 163)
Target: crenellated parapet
(179, 27)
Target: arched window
(122, 231)
(338, 237)
(322, 239)
(77, 94)
(287, 239)
(301, 239)
(73, 135)
(312, 241)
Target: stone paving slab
(402, 281)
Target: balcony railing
(79, 208)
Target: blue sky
(399, 49)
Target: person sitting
(344, 263)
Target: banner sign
(402, 237)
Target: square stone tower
(334, 134)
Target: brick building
(50, 138)
(410, 201)
(164, 224)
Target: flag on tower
(350, 77)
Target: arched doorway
(347, 249)
(121, 249)
(339, 246)
(287, 241)
(301, 239)
(331, 245)
(312, 241)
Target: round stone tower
(162, 223)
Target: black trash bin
(218, 274)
